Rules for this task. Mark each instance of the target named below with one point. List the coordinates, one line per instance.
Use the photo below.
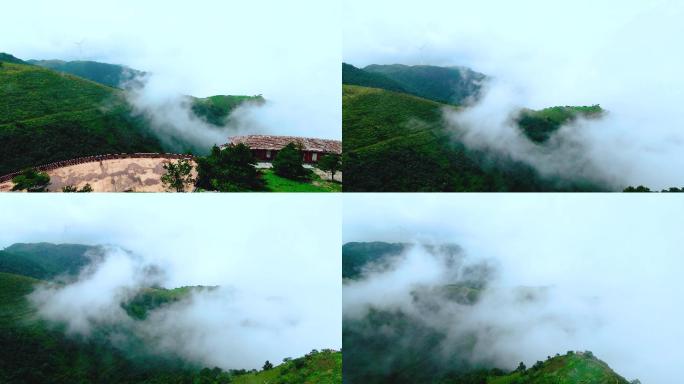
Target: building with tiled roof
(266, 147)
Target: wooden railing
(98, 158)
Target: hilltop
(571, 368)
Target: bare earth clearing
(113, 175)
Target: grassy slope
(47, 116)
(397, 142)
(568, 369)
(275, 183)
(324, 367)
(447, 85)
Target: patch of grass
(323, 367)
(314, 183)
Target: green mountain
(111, 75)
(355, 256)
(47, 116)
(395, 142)
(46, 261)
(355, 76)
(7, 58)
(448, 85)
(36, 351)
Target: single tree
(330, 163)
(267, 365)
(31, 180)
(177, 175)
(232, 169)
(521, 367)
(289, 163)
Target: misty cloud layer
(223, 326)
(279, 291)
(591, 273)
(95, 298)
(625, 57)
(213, 48)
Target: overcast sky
(287, 51)
(285, 246)
(624, 55)
(613, 263)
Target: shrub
(228, 170)
(31, 180)
(289, 163)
